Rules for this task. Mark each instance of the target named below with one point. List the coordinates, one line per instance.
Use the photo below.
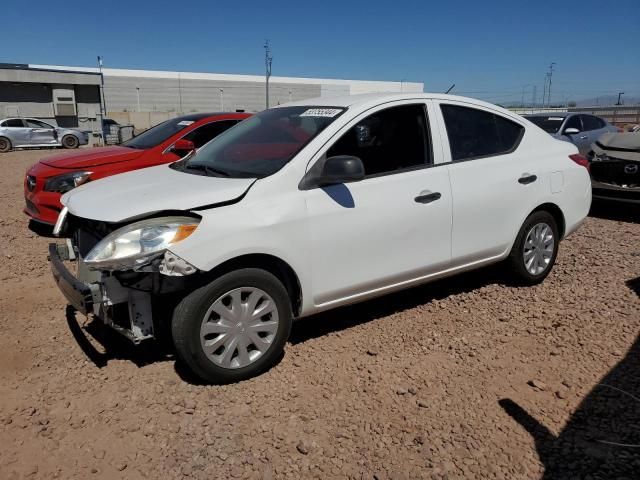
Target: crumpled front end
(129, 296)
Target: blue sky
(490, 50)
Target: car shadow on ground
(618, 211)
(114, 346)
(352, 315)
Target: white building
(185, 92)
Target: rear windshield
(549, 124)
(262, 144)
(158, 134)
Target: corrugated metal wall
(188, 95)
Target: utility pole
(221, 100)
(138, 96)
(550, 75)
(619, 95)
(524, 87)
(103, 104)
(267, 64)
(534, 96)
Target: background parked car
(30, 132)
(581, 129)
(48, 179)
(615, 167)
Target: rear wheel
(235, 327)
(5, 144)
(69, 141)
(535, 249)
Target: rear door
(17, 132)
(392, 227)
(41, 133)
(493, 184)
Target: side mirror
(334, 170)
(571, 131)
(183, 146)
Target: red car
(47, 180)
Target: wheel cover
(538, 248)
(239, 327)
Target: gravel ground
(463, 378)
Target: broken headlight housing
(137, 244)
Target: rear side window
(574, 122)
(590, 122)
(388, 141)
(14, 122)
(476, 133)
(205, 133)
(37, 124)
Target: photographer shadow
(602, 437)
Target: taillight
(580, 160)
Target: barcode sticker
(321, 112)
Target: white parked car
(309, 206)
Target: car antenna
(450, 88)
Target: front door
(392, 227)
(17, 132)
(41, 133)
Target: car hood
(619, 145)
(92, 157)
(144, 192)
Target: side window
(476, 133)
(590, 122)
(389, 140)
(13, 122)
(203, 134)
(37, 124)
(574, 122)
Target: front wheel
(235, 327)
(69, 141)
(534, 252)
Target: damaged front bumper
(126, 309)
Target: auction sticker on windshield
(321, 112)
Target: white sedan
(309, 206)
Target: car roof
(200, 116)
(367, 100)
(549, 114)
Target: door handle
(583, 137)
(427, 197)
(526, 179)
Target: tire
(70, 141)
(5, 145)
(532, 257)
(204, 339)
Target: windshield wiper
(209, 171)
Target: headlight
(137, 244)
(68, 181)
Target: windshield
(158, 134)
(262, 144)
(548, 124)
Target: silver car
(581, 129)
(30, 132)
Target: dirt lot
(464, 378)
